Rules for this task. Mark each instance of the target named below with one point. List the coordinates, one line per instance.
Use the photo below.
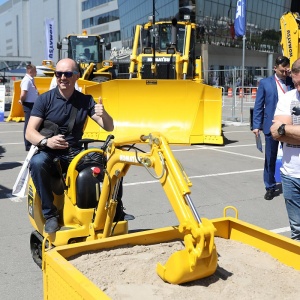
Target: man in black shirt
(56, 106)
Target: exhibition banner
(49, 27)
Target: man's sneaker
(51, 225)
(270, 194)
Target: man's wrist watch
(281, 129)
(43, 143)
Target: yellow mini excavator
(86, 198)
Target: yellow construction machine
(89, 52)
(290, 35)
(86, 198)
(93, 68)
(164, 91)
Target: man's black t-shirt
(53, 107)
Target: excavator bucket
(184, 111)
(42, 84)
(196, 261)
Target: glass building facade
(262, 21)
(215, 19)
(216, 26)
(135, 12)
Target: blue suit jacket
(265, 103)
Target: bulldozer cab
(165, 50)
(165, 37)
(85, 48)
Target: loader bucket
(184, 111)
(42, 84)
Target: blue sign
(240, 18)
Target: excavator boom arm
(199, 258)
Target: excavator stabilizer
(184, 111)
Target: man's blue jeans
(291, 194)
(42, 169)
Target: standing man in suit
(270, 89)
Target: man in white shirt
(286, 129)
(29, 93)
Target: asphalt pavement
(221, 176)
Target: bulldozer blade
(184, 111)
(180, 269)
(42, 84)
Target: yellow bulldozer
(164, 90)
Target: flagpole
(243, 74)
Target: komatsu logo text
(159, 59)
(128, 158)
(289, 41)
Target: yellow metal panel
(290, 36)
(183, 111)
(16, 110)
(282, 248)
(58, 284)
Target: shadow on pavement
(9, 165)
(227, 141)
(2, 150)
(4, 191)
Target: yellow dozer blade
(16, 111)
(184, 111)
(42, 84)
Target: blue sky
(3, 1)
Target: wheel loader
(88, 50)
(86, 199)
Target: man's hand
(57, 142)
(99, 108)
(102, 117)
(256, 132)
(274, 129)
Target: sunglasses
(59, 74)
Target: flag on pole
(240, 18)
(49, 27)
